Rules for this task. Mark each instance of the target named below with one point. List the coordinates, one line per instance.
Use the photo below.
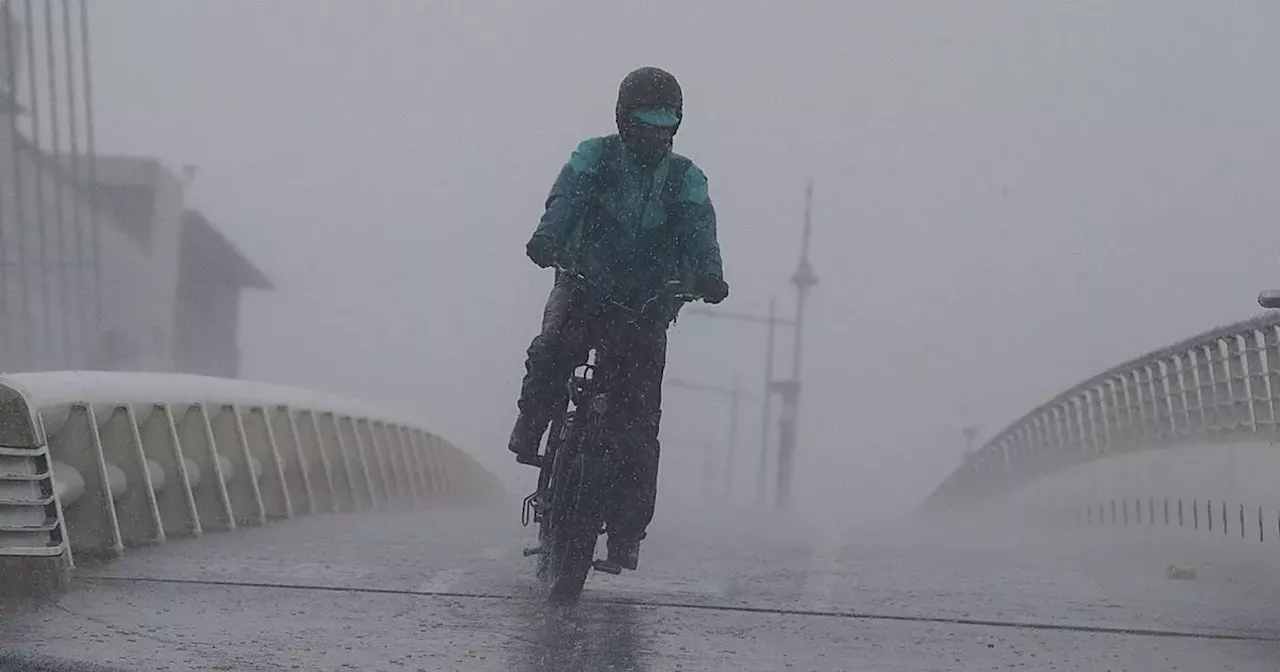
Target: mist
(1009, 197)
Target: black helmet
(649, 89)
(650, 106)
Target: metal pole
(73, 137)
(763, 469)
(38, 212)
(786, 446)
(789, 423)
(803, 280)
(91, 157)
(55, 142)
(20, 254)
(5, 284)
(729, 466)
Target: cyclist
(628, 214)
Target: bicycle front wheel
(571, 527)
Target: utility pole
(789, 422)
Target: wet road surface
(450, 591)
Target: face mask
(648, 143)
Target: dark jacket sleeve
(567, 199)
(699, 223)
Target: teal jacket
(630, 228)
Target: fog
(1009, 196)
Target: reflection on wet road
(449, 591)
(589, 637)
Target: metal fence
(1221, 517)
(50, 297)
(1218, 387)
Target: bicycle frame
(585, 424)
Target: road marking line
(1132, 631)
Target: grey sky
(1010, 195)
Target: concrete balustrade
(95, 462)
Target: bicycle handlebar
(680, 296)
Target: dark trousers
(568, 325)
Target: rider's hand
(714, 289)
(541, 251)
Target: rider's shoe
(525, 437)
(624, 553)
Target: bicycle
(577, 469)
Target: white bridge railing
(94, 462)
(1221, 386)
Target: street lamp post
(789, 420)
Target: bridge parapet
(1220, 386)
(94, 462)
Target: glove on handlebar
(541, 251)
(713, 288)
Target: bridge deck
(449, 591)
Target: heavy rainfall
(937, 324)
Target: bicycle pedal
(532, 550)
(607, 567)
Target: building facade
(101, 265)
(212, 275)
